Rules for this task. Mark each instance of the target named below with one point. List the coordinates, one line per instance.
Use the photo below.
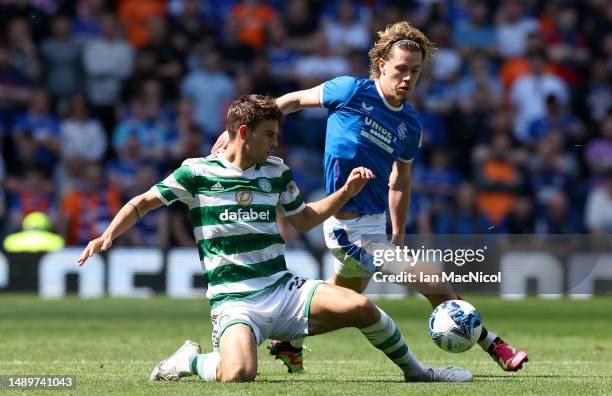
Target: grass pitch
(112, 345)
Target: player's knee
(238, 374)
(370, 310)
(236, 371)
(364, 311)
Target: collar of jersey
(382, 96)
(232, 166)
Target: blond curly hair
(395, 35)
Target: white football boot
(178, 365)
(449, 374)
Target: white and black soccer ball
(455, 326)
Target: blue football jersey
(363, 129)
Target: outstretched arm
(127, 216)
(317, 212)
(399, 197)
(297, 100)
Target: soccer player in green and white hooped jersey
(233, 197)
(233, 214)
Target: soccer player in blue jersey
(370, 123)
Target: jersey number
(297, 282)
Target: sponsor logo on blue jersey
(378, 134)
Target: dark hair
(250, 110)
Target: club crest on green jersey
(264, 185)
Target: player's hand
(357, 179)
(100, 244)
(221, 143)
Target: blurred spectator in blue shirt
(558, 216)
(464, 217)
(556, 120)
(436, 102)
(15, 89)
(419, 212)
(39, 122)
(551, 170)
(122, 170)
(87, 22)
(440, 180)
(149, 128)
(479, 86)
(281, 58)
(149, 231)
(477, 33)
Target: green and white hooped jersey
(233, 213)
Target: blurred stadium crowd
(101, 99)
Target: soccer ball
(455, 326)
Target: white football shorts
(280, 313)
